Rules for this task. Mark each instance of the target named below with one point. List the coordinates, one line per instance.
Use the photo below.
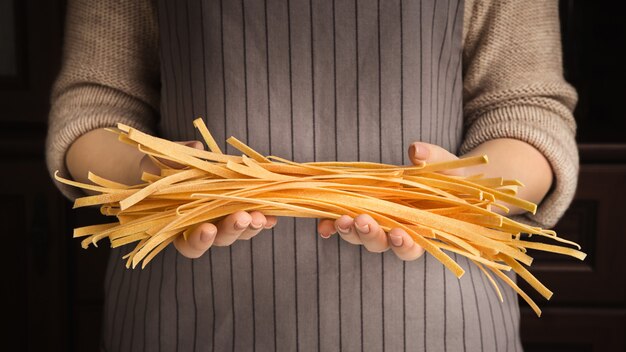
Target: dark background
(45, 271)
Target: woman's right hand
(241, 225)
(237, 226)
(100, 152)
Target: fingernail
(205, 236)
(323, 235)
(256, 226)
(241, 225)
(364, 229)
(420, 153)
(396, 240)
(343, 229)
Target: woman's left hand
(364, 230)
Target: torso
(309, 86)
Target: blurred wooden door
(34, 258)
(51, 292)
(588, 309)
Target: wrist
(101, 153)
(515, 159)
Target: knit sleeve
(514, 88)
(110, 74)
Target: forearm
(515, 159)
(100, 152)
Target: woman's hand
(365, 230)
(100, 152)
(237, 226)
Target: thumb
(420, 152)
(198, 241)
(148, 165)
(193, 144)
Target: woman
(316, 80)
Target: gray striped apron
(309, 80)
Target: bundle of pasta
(441, 213)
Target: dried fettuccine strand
(208, 138)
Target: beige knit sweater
(513, 84)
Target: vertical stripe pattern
(309, 80)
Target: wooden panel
(569, 329)
(58, 286)
(587, 312)
(33, 211)
(594, 59)
(36, 46)
(86, 329)
(36, 254)
(596, 220)
(12, 211)
(12, 44)
(602, 153)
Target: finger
(150, 166)
(191, 144)
(403, 245)
(420, 152)
(326, 228)
(256, 225)
(147, 165)
(345, 229)
(230, 228)
(198, 241)
(373, 237)
(271, 221)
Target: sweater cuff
(67, 123)
(551, 135)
